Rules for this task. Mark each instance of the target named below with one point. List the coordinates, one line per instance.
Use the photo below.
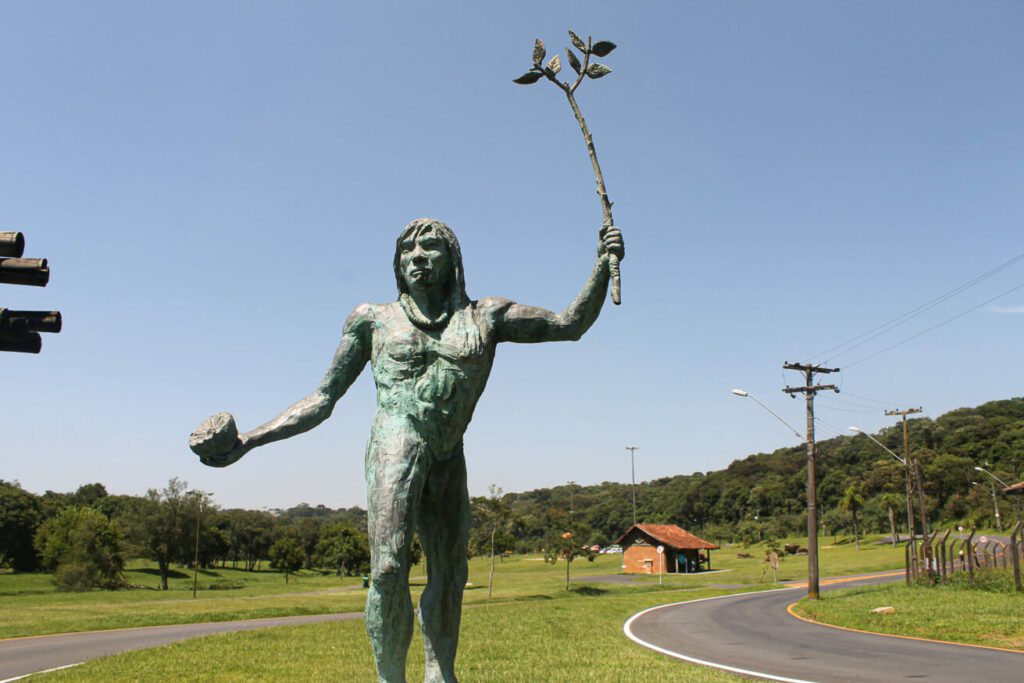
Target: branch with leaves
(587, 69)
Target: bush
(75, 578)
(84, 548)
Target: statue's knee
(388, 578)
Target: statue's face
(425, 262)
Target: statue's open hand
(611, 242)
(216, 441)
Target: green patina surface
(431, 353)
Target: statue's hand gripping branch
(431, 352)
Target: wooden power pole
(809, 390)
(911, 479)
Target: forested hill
(764, 495)
(760, 496)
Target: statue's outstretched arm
(528, 324)
(349, 360)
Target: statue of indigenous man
(431, 353)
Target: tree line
(860, 487)
(85, 537)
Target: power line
(830, 427)
(934, 327)
(874, 332)
(871, 400)
(856, 404)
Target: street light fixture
(902, 461)
(812, 526)
(995, 503)
(982, 469)
(747, 394)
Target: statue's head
(432, 244)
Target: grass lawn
(574, 639)
(32, 607)
(532, 629)
(952, 612)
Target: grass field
(532, 629)
(32, 607)
(574, 639)
(988, 614)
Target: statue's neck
(426, 311)
(431, 303)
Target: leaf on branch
(596, 70)
(527, 78)
(539, 52)
(578, 42)
(602, 47)
(573, 61)
(555, 64)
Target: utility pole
(913, 475)
(632, 474)
(809, 390)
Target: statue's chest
(404, 351)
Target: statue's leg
(394, 479)
(443, 527)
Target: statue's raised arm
(217, 442)
(529, 324)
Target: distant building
(682, 550)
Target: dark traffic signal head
(19, 330)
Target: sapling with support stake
(586, 69)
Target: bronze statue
(431, 353)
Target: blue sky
(216, 185)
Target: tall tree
(286, 554)
(20, 513)
(851, 502)
(343, 547)
(495, 515)
(162, 525)
(891, 502)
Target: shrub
(83, 547)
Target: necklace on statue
(420, 320)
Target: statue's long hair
(456, 285)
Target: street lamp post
(995, 503)
(910, 509)
(632, 475)
(812, 525)
(747, 394)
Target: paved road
(22, 656)
(753, 634)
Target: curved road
(752, 634)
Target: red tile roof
(1016, 488)
(671, 535)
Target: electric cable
(934, 327)
(913, 313)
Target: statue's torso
(428, 381)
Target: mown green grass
(32, 607)
(574, 639)
(952, 612)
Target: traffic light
(19, 330)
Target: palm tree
(891, 501)
(852, 500)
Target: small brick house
(683, 551)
